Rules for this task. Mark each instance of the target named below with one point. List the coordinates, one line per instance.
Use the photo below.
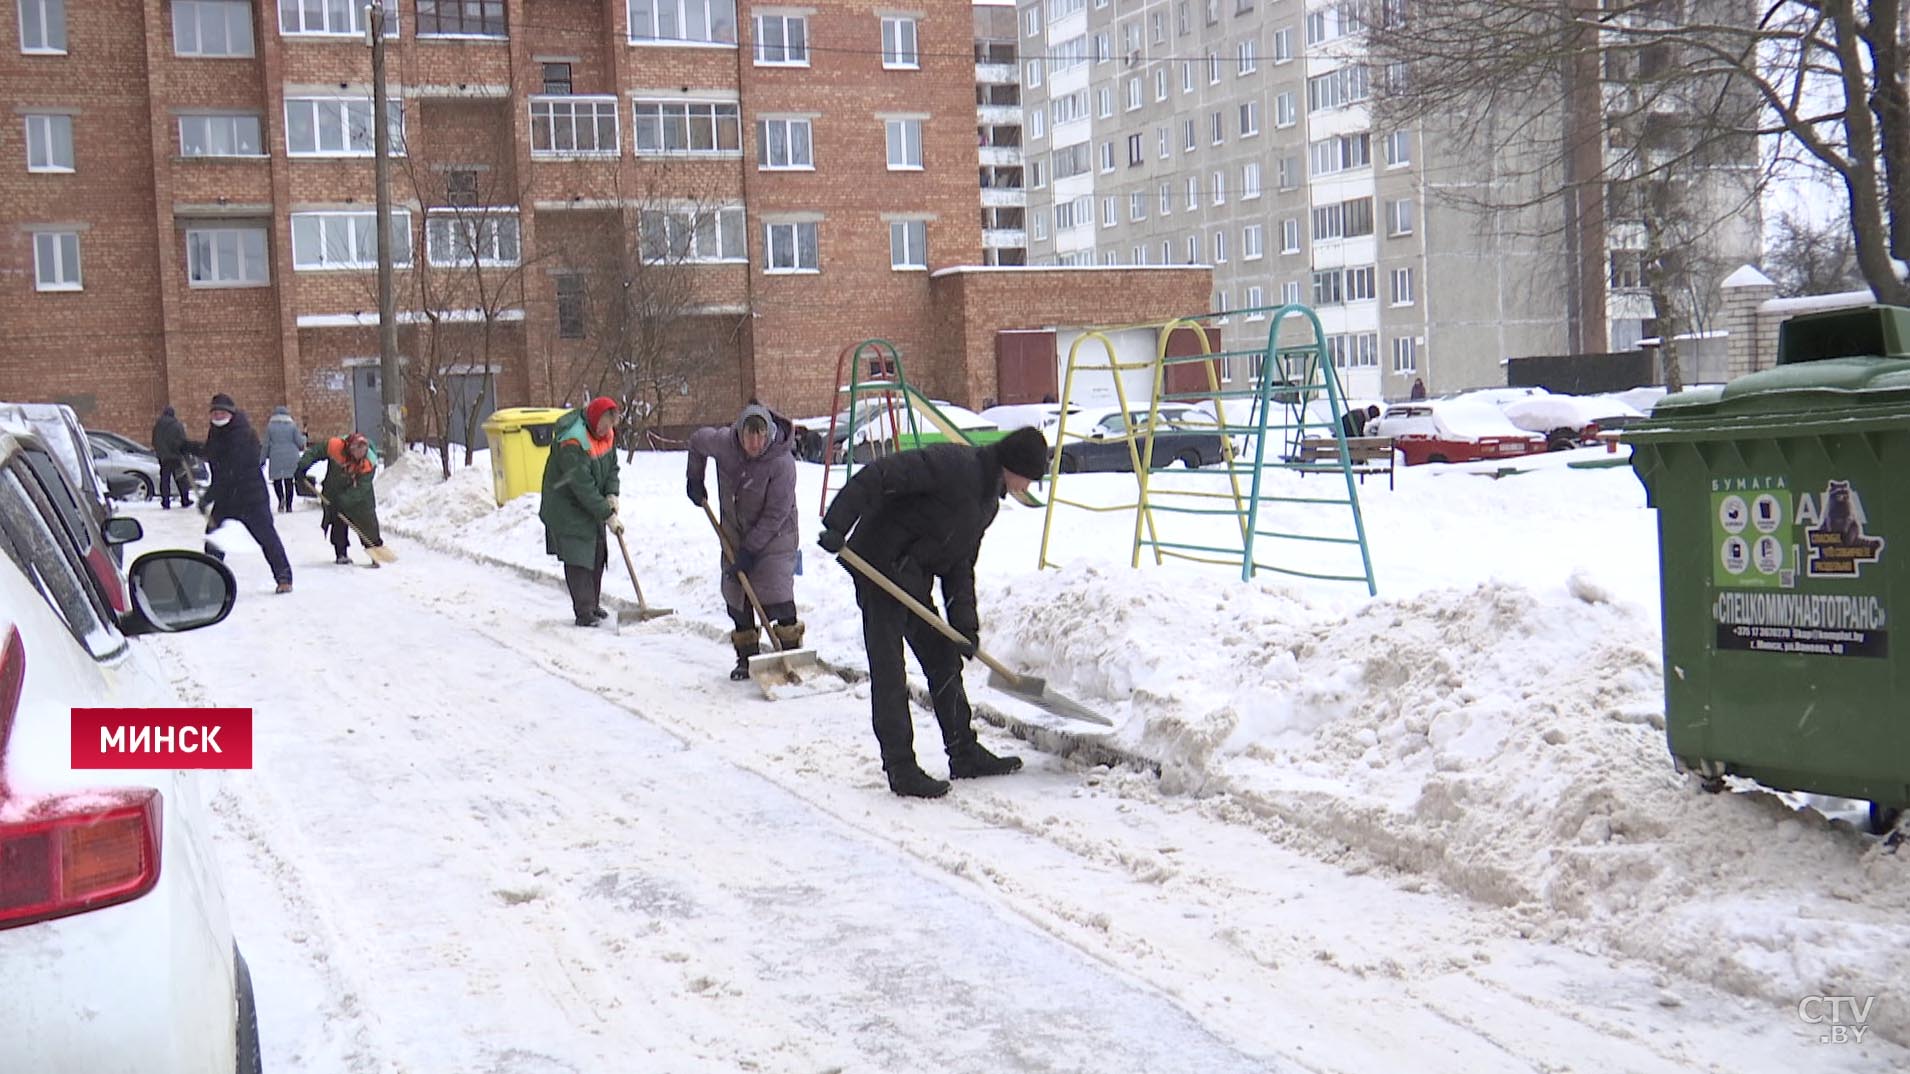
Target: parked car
(1011, 416)
(1453, 430)
(1568, 421)
(60, 431)
(131, 472)
(114, 937)
(1178, 439)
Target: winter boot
(284, 587)
(909, 781)
(599, 614)
(748, 643)
(972, 760)
(343, 560)
(788, 635)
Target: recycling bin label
(1789, 569)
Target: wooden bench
(1368, 454)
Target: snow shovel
(1027, 687)
(783, 667)
(644, 611)
(378, 552)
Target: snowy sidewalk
(488, 841)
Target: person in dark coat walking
(756, 496)
(169, 443)
(919, 516)
(283, 442)
(350, 501)
(1419, 388)
(580, 500)
(238, 491)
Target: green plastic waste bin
(1783, 504)
(520, 442)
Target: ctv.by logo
(1843, 1019)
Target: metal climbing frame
(884, 380)
(1285, 380)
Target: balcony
(1005, 115)
(996, 73)
(1001, 156)
(1004, 239)
(1004, 198)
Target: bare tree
(1805, 258)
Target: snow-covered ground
(1435, 830)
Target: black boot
(973, 761)
(910, 781)
(747, 643)
(342, 559)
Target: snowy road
(478, 839)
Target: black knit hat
(224, 402)
(1024, 452)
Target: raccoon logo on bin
(1834, 531)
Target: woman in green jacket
(350, 501)
(580, 500)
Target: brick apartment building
(189, 195)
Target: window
(1252, 244)
(1283, 45)
(43, 27)
(1038, 123)
(1031, 20)
(1361, 284)
(1329, 222)
(1193, 193)
(1102, 53)
(1167, 251)
(1073, 214)
(1257, 300)
(1405, 354)
(336, 126)
(1223, 304)
(1220, 188)
(1217, 126)
(481, 238)
(212, 28)
(570, 305)
(1182, 26)
(1348, 151)
(1213, 68)
(1069, 107)
(1187, 136)
(1041, 226)
(1109, 212)
(1166, 199)
(1187, 76)
(1037, 175)
(791, 248)
(905, 144)
(1160, 84)
(1107, 156)
(1250, 180)
(1360, 350)
(574, 126)
(785, 143)
(1071, 161)
(1399, 149)
(1290, 293)
(334, 17)
(1328, 288)
(1139, 256)
(1061, 9)
(1033, 76)
(1283, 111)
(692, 236)
(461, 18)
(1193, 249)
(557, 79)
(1163, 142)
(705, 21)
(1399, 217)
(1249, 118)
(1134, 96)
(1290, 235)
(782, 40)
(461, 186)
(1137, 207)
(49, 143)
(1104, 102)
(227, 257)
(1070, 54)
(687, 127)
(346, 240)
(1220, 247)
(1157, 28)
(898, 43)
(1135, 153)
(1248, 61)
(1402, 287)
(32, 495)
(1337, 89)
(220, 136)
(56, 261)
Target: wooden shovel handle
(642, 605)
(888, 585)
(748, 590)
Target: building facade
(1239, 133)
(708, 198)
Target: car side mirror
(177, 590)
(122, 530)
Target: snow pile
(1542, 414)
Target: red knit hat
(596, 411)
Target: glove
(612, 501)
(830, 540)
(697, 493)
(616, 525)
(744, 562)
(970, 645)
(305, 485)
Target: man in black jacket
(917, 517)
(169, 443)
(238, 490)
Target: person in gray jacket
(756, 495)
(283, 445)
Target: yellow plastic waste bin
(520, 439)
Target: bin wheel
(1883, 818)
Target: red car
(1453, 430)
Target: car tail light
(74, 852)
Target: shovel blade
(791, 667)
(380, 554)
(1034, 690)
(632, 616)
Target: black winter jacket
(238, 484)
(926, 510)
(169, 436)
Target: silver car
(129, 468)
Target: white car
(115, 952)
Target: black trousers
(745, 618)
(886, 625)
(586, 584)
(173, 472)
(283, 486)
(257, 521)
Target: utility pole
(390, 376)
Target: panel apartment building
(736, 189)
(1236, 133)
